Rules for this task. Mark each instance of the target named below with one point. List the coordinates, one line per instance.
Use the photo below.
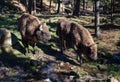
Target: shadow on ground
(57, 54)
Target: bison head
(92, 50)
(43, 33)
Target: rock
(5, 37)
(47, 80)
(101, 76)
(112, 79)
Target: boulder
(5, 37)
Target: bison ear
(41, 28)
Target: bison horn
(41, 28)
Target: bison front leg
(63, 46)
(34, 48)
(25, 43)
(79, 55)
(80, 59)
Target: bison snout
(95, 59)
(46, 37)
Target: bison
(32, 31)
(74, 35)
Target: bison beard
(74, 35)
(32, 31)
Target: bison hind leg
(79, 57)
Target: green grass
(114, 70)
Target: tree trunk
(83, 12)
(30, 6)
(41, 3)
(34, 6)
(112, 4)
(76, 8)
(50, 6)
(58, 8)
(24, 2)
(2, 4)
(97, 18)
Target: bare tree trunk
(112, 4)
(34, 6)
(86, 7)
(97, 18)
(2, 4)
(50, 6)
(24, 2)
(76, 8)
(30, 6)
(58, 8)
(41, 3)
(83, 12)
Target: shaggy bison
(72, 34)
(32, 31)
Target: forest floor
(50, 64)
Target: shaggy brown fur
(75, 35)
(32, 30)
(63, 30)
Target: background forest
(100, 17)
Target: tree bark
(97, 18)
(112, 4)
(24, 2)
(58, 8)
(41, 3)
(30, 6)
(2, 4)
(34, 6)
(76, 8)
(83, 12)
(50, 6)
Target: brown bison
(32, 31)
(72, 34)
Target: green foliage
(114, 70)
